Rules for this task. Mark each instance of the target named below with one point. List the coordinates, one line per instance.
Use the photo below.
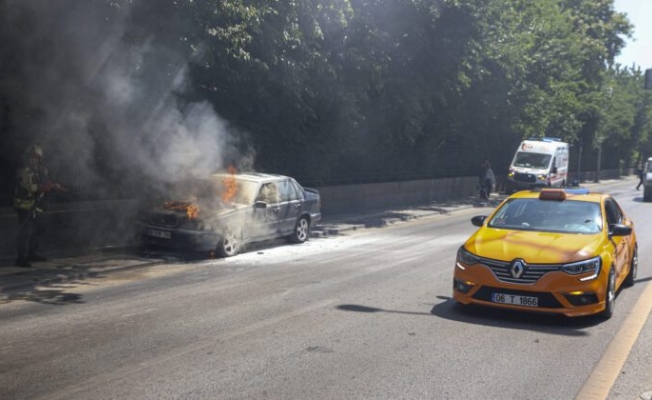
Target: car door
(290, 206)
(267, 210)
(621, 243)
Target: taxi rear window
(566, 216)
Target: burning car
(229, 210)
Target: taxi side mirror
(478, 220)
(620, 230)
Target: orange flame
(230, 188)
(192, 210)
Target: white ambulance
(539, 162)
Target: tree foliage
(335, 91)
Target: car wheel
(610, 301)
(301, 230)
(230, 244)
(633, 269)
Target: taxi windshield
(566, 216)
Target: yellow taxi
(564, 251)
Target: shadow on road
(451, 310)
(498, 318)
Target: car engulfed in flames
(224, 213)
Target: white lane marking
(604, 375)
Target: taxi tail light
(462, 287)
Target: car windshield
(233, 190)
(532, 160)
(566, 216)
(213, 192)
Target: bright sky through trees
(639, 48)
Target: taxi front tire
(610, 296)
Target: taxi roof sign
(552, 194)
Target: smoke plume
(103, 104)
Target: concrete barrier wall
(355, 198)
(103, 224)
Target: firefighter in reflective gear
(30, 202)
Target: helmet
(33, 149)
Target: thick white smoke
(104, 108)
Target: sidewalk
(62, 268)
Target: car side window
(297, 189)
(614, 213)
(287, 191)
(269, 193)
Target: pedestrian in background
(489, 179)
(641, 175)
(481, 175)
(30, 202)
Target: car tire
(230, 244)
(633, 269)
(301, 231)
(610, 295)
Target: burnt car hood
(172, 213)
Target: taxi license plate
(159, 234)
(525, 301)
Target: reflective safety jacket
(28, 194)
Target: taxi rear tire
(610, 296)
(633, 269)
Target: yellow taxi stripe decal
(604, 375)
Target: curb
(19, 278)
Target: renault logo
(517, 268)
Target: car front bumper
(557, 292)
(179, 238)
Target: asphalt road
(362, 314)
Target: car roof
(250, 176)
(579, 194)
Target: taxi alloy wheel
(301, 230)
(610, 300)
(633, 269)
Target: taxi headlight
(466, 257)
(592, 265)
(542, 177)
